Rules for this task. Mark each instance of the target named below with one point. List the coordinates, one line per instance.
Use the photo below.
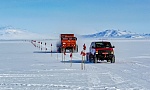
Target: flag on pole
(70, 55)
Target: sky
(76, 16)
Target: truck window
(103, 45)
(69, 38)
(92, 44)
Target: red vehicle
(67, 42)
(101, 51)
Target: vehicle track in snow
(125, 80)
(116, 77)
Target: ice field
(25, 67)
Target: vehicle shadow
(47, 52)
(80, 61)
(44, 52)
(74, 61)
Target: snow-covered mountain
(116, 34)
(10, 33)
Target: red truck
(67, 42)
(101, 50)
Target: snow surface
(25, 67)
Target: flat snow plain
(25, 67)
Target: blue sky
(76, 16)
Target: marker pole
(71, 59)
(51, 50)
(41, 46)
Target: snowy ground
(25, 67)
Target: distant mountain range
(10, 33)
(116, 34)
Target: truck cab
(101, 50)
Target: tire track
(130, 81)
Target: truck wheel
(113, 59)
(63, 50)
(72, 50)
(59, 50)
(87, 58)
(76, 49)
(95, 60)
(90, 59)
